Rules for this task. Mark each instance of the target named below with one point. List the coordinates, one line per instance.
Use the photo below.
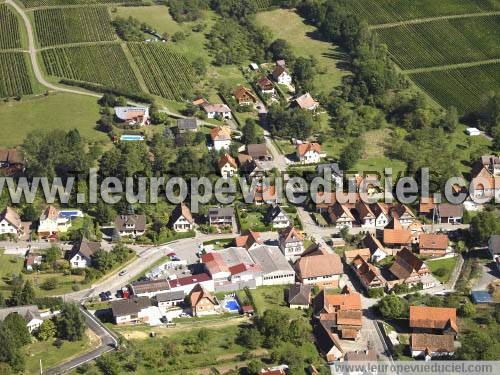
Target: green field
(273, 297)
(15, 76)
(102, 64)
(40, 3)
(10, 36)
(447, 264)
(166, 73)
(58, 111)
(464, 88)
(57, 26)
(288, 25)
(443, 42)
(387, 11)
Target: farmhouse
(377, 250)
(181, 219)
(30, 313)
(306, 102)
(434, 320)
(217, 111)
(397, 238)
(432, 244)
(10, 222)
(450, 213)
(424, 345)
(402, 214)
(350, 255)
(340, 215)
(365, 215)
(367, 273)
(133, 310)
(409, 269)
(249, 241)
(130, 225)
(327, 303)
(277, 217)
(266, 86)
(291, 243)
(281, 75)
(133, 115)
(275, 268)
(81, 254)
(187, 125)
(322, 270)
(221, 216)
(259, 152)
(308, 153)
(227, 166)
(299, 296)
(170, 299)
(221, 138)
(202, 302)
(327, 342)
(244, 96)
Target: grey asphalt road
(108, 343)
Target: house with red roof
(308, 153)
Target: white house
(30, 313)
(130, 225)
(170, 299)
(277, 217)
(227, 166)
(281, 75)
(80, 255)
(377, 250)
(133, 115)
(308, 153)
(221, 138)
(365, 215)
(291, 243)
(10, 222)
(381, 212)
(130, 311)
(217, 110)
(473, 132)
(181, 219)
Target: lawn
(447, 264)
(271, 298)
(253, 220)
(56, 111)
(288, 25)
(9, 265)
(51, 355)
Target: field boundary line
(79, 44)
(135, 68)
(416, 21)
(441, 68)
(87, 5)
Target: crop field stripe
(450, 67)
(48, 3)
(14, 76)
(102, 64)
(165, 72)
(57, 26)
(10, 37)
(422, 45)
(433, 19)
(463, 87)
(377, 12)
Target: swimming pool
(231, 305)
(131, 138)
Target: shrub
(440, 272)
(376, 292)
(49, 284)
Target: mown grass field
(387, 11)
(288, 25)
(57, 111)
(55, 26)
(447, 264)
(102, 64)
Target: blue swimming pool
(231, 305)
(131, 138)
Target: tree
(281, 50)
(351, 154)
(9, 350)
(102, 260)
(52, 254)
(474, 346)
(484, 225)
(46, 331)
(27, 294)
(70, 323)
(108, 365)
(250, 338)
(393, 307)
(200, 67)
(254, 367)
(250, 132)
(467, 309)
(16, 325)
(50, 284)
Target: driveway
(489, 274)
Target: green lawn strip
(60, 111)
(51, 355)
(447, 264)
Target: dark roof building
(299, 295)
(187, 125)
(130, 306)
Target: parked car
(124, 272)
